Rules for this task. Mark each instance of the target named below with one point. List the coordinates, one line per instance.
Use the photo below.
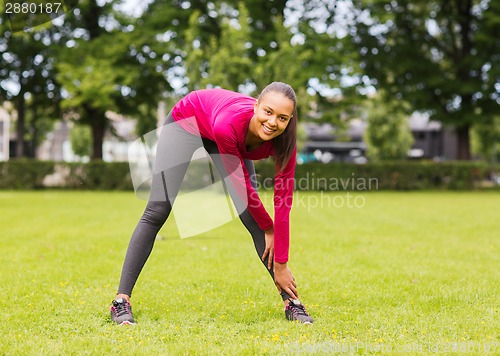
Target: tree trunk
(98, 122)
(98, 129)
(463, 142)
(34, 130)
(465, 20)
(20, 126)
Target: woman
(235, 130)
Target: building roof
(326, 131)
(421, 122)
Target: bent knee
(156, 213)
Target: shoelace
(298, 309)
(121, 308)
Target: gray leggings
(174, 152)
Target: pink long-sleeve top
(223, 116)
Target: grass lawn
(400, 272)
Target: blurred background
(376, 80)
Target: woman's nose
(272, 120)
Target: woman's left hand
(284, 280)
(269, 251)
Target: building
(57, 146)
(432, 141)
(4, 133)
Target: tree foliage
(486, 139)
(28, 81)
(110, 64)
(229, 61)
(222, 61)
(388, 134)
(81, 140)
(440, 56)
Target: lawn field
(381, 272)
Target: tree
(81, 140)
(228, 62)
(228, 36)
(27, 79)
(111, 63)
(223, 61)
(262, 18)
(388, 134)
(287, 62)
(486, 139)
(440, 56)
(228, 56)
(172, 18)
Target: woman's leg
(246, 218)
(141, 243)
(294, 310)
(174, 151)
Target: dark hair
(285, 143)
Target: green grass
(401, 272)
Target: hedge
(406, 175)
(403, 175)
(95, 175)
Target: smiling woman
(234, 129)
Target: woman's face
(272, 113)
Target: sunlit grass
(396, 272)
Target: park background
(403, 92)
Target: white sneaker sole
(126, 322)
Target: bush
(99, 175)
(24, 174)
(96, 175)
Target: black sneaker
(295, 311)
(121, 312)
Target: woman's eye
(267, 112)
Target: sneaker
(295, 311)
(121, 312)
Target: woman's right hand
(269, 251)
(284, 280)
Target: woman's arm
(283, 199)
